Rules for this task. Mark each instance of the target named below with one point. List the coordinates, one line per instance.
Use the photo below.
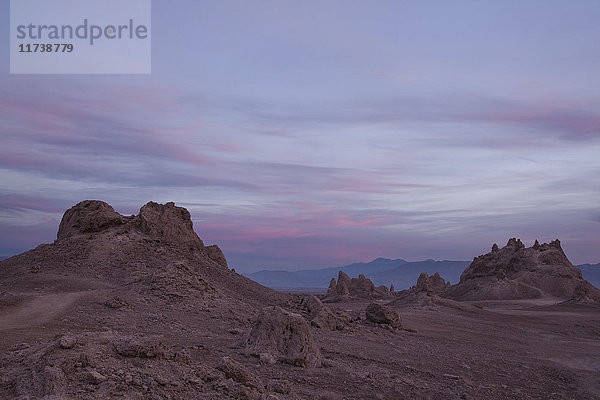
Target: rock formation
(119, 304)
(424, 284)
(426, 292)
(342, 287)
(332, 286)
(89, 216)
(517, 272)
(438, 283)
(360, 287)
(168, 223)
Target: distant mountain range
(382, 271)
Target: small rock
(115, 303)
(96, 377)
(267, 358)
(160, 380)
(279, 386)
(67, 341)
(139, 347)
(236, 371)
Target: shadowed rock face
(517, 272)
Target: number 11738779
(46, 48)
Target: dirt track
(37, 311)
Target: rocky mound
(130, 307)
(361, 287)
(517, 272)
(156, 253)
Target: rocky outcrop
(284, 335)
(360, 287)
(424, 284)
(332, 286)
(166, 223)
(517, 272)
(156, 254)
(89, 216)
(342, 288)
(426, 292)
(438, 283)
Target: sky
(320, 133)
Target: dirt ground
(486, 350)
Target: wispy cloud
(288, 183)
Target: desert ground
(139, 308)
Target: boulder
(381, 314)
(311, 305)
(285, 335)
